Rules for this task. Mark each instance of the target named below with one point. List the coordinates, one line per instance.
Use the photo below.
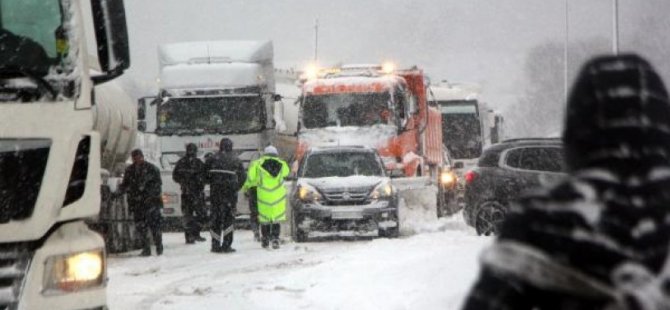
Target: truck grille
(350, 196)
(14, 261)
(22, 165)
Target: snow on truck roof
(454, 92)
(215, 52)
(352, 84)
(230, 75)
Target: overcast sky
(482, 41)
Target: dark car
(343, 191)
(503, 173)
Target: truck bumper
(67, 239)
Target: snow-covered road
(430, 270)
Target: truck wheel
(489, 218)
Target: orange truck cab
(374, 106)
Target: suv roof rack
(532, 139)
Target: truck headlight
(74, 272)
(170, 198)
(448, 179)
(382, 191)
(307, 193)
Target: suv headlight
(308, 193)
(74, 272)
(382, 191)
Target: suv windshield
(341, 164)
(223, 115)
(346, 109)
(34, 45)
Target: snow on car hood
(373, 136)
(355, 181)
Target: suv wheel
(489, 218)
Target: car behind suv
(503, 173)
(343, 191)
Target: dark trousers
(253, 210)
(149, 221)
(270, 232)
(222, 220)
(193, 210)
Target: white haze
(482, 41)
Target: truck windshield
(461, 128)
(223, 115)
(341, 164)
(346, 109)
(34, 45)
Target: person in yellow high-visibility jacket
(267, 175)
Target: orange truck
(381, 107)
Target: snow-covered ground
(432, 269)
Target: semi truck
(50, 152)
(209, 90)
(468, 125)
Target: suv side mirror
(277, 97)
(111, 34)
(141, 109)
(458, 165)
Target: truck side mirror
(141, 109)
(141, 126)
(277, 97)
(111, 34)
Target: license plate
(347, 214)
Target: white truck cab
(50, 152)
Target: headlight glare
(307, 193)
(384, 190)
(74, 272)
(447, 178)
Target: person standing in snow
(598, 240)
(143, 187)
(189, 173)
(267, 175)
(225, 175)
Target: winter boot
(275, 244)
(159, 250)
(146, 252)
(228, 250)
(199, 238)
(265, 243)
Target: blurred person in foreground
(598, 240)
(225, 175)
(267, 176)
(189, 173)
(143, 187)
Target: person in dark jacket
(598, 240)
(225, 175)
(142, 186)
(189, 173)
